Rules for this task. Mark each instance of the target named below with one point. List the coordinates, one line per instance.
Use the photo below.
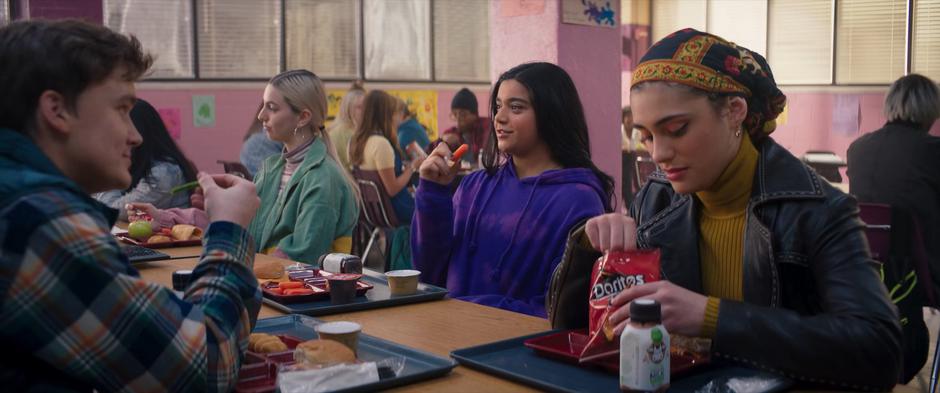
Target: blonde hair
(378, 118)
(913, 98)
(303, 89)
(344, 119)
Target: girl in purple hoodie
(497, 240)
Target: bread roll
(159, 239)
(265, 343)
(323, 353)
(268, 270)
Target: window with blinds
(164, 28)
(323, 36)
(4, 12)
(461, 40)
(238, 38)
(870, 41)
(397, 39)
(799, 39)
(672, 15)
(743, 22)
(925, 39)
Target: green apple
(140, 230)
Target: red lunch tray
(316, 281)
(259, 370)
(122, 236)
(567, 345)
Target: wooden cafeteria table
(438, 327)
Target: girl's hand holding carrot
(441, 166)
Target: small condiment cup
(402, 282)
(344, 332)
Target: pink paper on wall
(171, 118)
(521, 7)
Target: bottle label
(644, 358)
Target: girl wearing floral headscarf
(759, 254)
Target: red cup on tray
(342, 287)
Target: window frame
(197, 77)
(908, 55)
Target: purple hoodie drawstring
(494, 274)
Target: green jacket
(315, 214)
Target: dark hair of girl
(156, 146)
(559, 119)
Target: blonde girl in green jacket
(309, 204)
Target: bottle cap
(645, 310)
(181, 279)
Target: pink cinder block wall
(235, 109)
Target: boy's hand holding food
(229, 198)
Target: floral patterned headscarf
(710, 63)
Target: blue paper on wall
(846, 114)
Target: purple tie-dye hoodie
(498, 239)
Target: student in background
(257, 146)
(343, 128)
(309, 204)
(157, 165)
(410, 130)
(498, 239)
(758, 253)
(75, 315)
(899, 165)
(471, 129)
(375, 147)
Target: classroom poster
(423, 103)
(845, 115)
(171, 118)
(204, 111)
(333, 98)
(603, 13)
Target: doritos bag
(613, 272)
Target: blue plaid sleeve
(71, 300)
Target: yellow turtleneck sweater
(721, 232)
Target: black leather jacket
(814, 309)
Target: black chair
(377, 214)
(235, 168)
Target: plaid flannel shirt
(75, 316)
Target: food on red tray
(694, 347)
(265, 343)
(323, 352)
(140, 230)
(185, 232)
(268, 270)
(303, 274)
(291, 284)
(297, 291)
(159, 239)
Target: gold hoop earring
(738, 132)
(302, 136)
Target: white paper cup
(346, 333)
(402, 282)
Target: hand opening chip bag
(614, 272)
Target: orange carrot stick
(459, 152)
